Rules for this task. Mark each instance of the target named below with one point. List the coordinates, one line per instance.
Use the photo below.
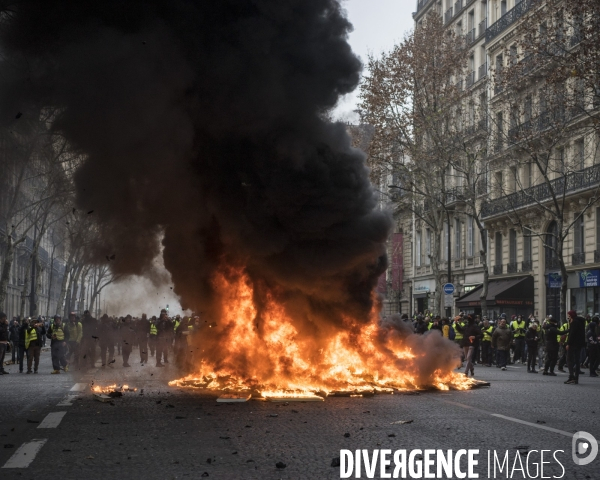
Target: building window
(446, 238)
(470, 237)
(418, 250)
(498, 252)
(579, 160)
(499, 130)
(527, 244)
(457, 239)
(579, 233)
(427, 247)
(512, 247)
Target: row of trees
(446, 132)
(36, 207)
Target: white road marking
(79, 387)
(512, 419)
(52, 420)
(25, 454)
(67, 401)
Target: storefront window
(585, 301)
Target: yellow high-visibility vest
(153, 330)
(60, 334)
(487, 333)
(30, 335)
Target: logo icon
(584, 443)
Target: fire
(280, 356)
(112, 388)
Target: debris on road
(280, 465)
(402, 422)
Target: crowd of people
(545, 345)
(80, 341)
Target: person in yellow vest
(562, 338)
(486, 343)
(75, 333)
(59, 337)
(33, 344)
(152, 336)
(519, 328)
(457, 326)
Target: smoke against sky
(201, 124)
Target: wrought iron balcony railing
(527, 266)
(512, 267)
(497, 269)
(482, 71)
(448, 15)
(458, 6)
(568, 184)
(509, 18)
(470, 36)
(482, 27)
(578, 258)
(470, 79)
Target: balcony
(552, 263)
(482, 27)
(527, 266)
(497, 269)
(482, 71)
(568, 184)
(470, 36)
(578, 258)
(508, 19)
(512, 267)
(421, 4)
(470, 79)
(458, 5)
(448, 15)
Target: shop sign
(554, 280)
(589, 278)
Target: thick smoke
(202, 121)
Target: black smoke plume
(202, 124)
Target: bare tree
(427, 135)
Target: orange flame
(279, 356)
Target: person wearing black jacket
(3, 341)
(471, 336)
(14, 331)
(22, 351)
(573, 345)
(532, 338)
(552, 345)
(143, 330)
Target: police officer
(58, 345)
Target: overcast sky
(378, 25)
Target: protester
(532, 338)
(58, 345)
(573, 345)
(552, 336)
(33, 343)
(4, 335)
(501, 339)
(471, 336)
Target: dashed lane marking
(79, 387)
(67, 401)
(25, 454)
(52, 420)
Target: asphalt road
(169, 433)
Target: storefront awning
(421, 295)
(512, 292)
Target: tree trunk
(37, 286)
(74, 289)
(50, 281)
(82, 291)
(63, 286)
(486, 273)
(6, 268)
(563, 285)
(25, 289)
